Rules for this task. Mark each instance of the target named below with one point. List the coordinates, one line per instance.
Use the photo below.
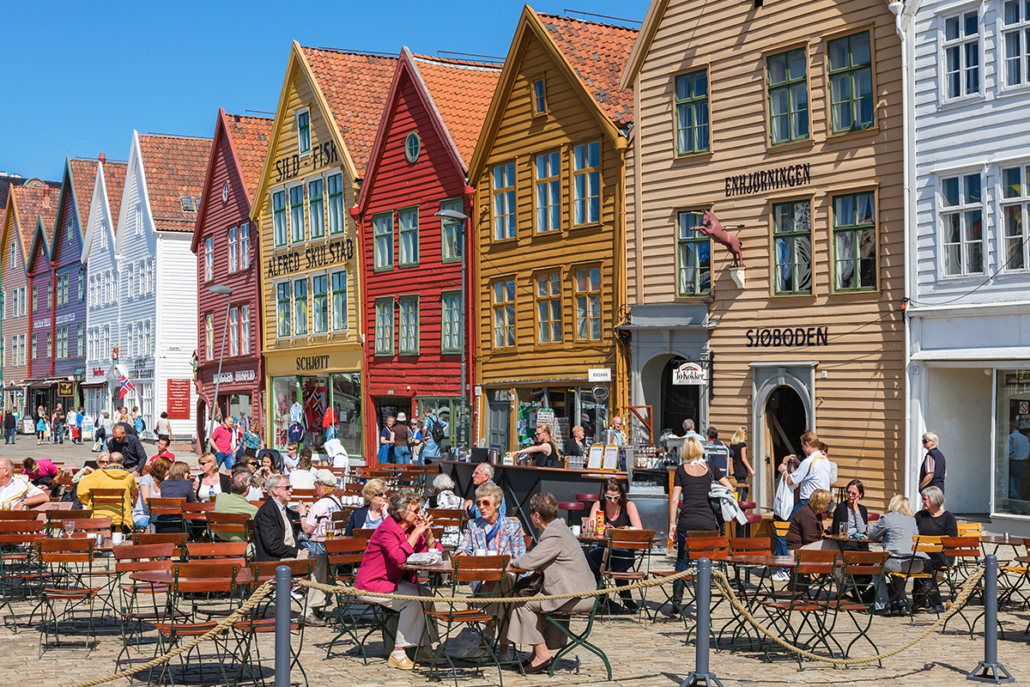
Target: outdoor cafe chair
(18, 515)
(17, 537)
(133, 613)
(221, 526)
(619, 568)
(111, 503)
(344, 556)
(55, 519)
(222, 552)
(194, 516)
(811, 578)
(178, 539)
(861, 569)
(964, 552)
(64, 563)
(563, 621)
(166, 514)
(921, 544)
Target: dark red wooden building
(413, 306)
(225, 242)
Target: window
(320, 303)
(296, 214)
(854, 241)
(693, 256)
(69, 230)
(382, 230)
(244, 330)
(234, 332)
(548, 305)
(279, 217)
(35, 298)
(450, 330)
(962, 225)
(407, 221)
(788, 97)
(539, 102)
(337, 221)
(300, 306)
(13, 254)
(316, 206)
(49, 346)
(1015, 204)
(62, 343)
(412, 147)
(339, 287)
(244, 246)
(504, 201)
(384, 326)
(79, 333)
(504, 314)
(451, 231)
(103, 235)
(233, 250)
(106, 352)
(304, 132)
(148, 341)
(35, 346)
(792, 247)
(138, 219)
(586, 183)
(588, 304)
(692, 113)
(851, 83)
(408, 325)
(209, 335)
(1016, 36)
(548, 191)
(80, 293)
(50, 295)
(282, 309)
(962, 55)
(209, 258)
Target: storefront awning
(979, 355)
(44, 382)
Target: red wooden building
(226, 245)
(413, 306)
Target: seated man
(483, 474)
(236, 502)
(274, 539)
(16, 491)
(113, 476)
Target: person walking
(10, 427)
(433, 432)
(164, 428)
(73, 425)
(221, 444)
(57, 425)
(933, 470)
(401, 451)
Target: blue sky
(80, 76)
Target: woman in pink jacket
(401, 534)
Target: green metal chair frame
(860, 564)
(345, 555)
(17, 561)
(563, 621)
(637, 542)
(65, 559)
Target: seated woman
(404, 532)
(544, 450)
(934, 521)
(149, 488)
(373, 513)
(852, 514)
(806, 529)
(210, 483)
(491, 532)
(443, 494)
(618, 512)
(560, 559)
(895, 531)
(176, 486)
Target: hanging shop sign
(787, 337)
(66, 389)
(599, 374)
(689, 374)
(314, 257)
(178, 399)
(769, 180)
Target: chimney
(46, 195)
(102, 158)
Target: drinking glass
(69, 527)
(843, 527)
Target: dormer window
(304, 132)
(188, 204)
(539, 101)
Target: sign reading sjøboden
(787, 337)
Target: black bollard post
(282, 626)
(989, 670)
(701, 674)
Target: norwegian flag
(125, 388)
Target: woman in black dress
(738, 454)
(853, 515)
(934, 521)
(546, 452)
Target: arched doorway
(679, 402)
(784, 408)
(785, 421)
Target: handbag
(713, 503)
(529, 585)
(783, 505)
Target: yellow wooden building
(329, 109)
(548, 261)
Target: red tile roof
(33, 203)
(174, 168)
(114, 180)
(250, 139)
(598, 53)
(355, 85)
(462, 92)
(84, 178)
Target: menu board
(179, 399)
(596, 457)
(611, 457)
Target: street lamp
(227, 291)
(462, 219)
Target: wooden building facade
(785, 121)
(549, 273)
(413, 308)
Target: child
(40, 430)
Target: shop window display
(1012, 448)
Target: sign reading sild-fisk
(689, 374)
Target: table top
(838, 537)
(446, 566)
(1000, 539)
(592, 538)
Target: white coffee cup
(491, 552)
(480, 552)
(576, 530)
(117, 538)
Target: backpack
(436, 429)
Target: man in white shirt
(19, 492)
(815, 472)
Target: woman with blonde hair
(895, 530)
(371, 515)
(738, 452)
(547, 453)
(806, 528)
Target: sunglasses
(484, 502)
(287, 488)
(381, 494)
(612, 498)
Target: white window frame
(244, 238)
(1022, 29)
(209, 336)
(1023, 200)
(959, 12)
(281, 331)
(961, 209)
(332, 302)
(209, 258)
(245, 329)
(233, 248)
(504, 201)
(592, 184)
(138, 219)
(234, 334)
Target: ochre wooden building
(548, 173)
(330, 105)
(414, 309)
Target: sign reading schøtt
(66, 389)
(689, 374)
(178, 399)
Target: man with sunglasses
(274, 539)
(483, 474)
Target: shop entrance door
(498, 421)
(679, 402)
(785, 421)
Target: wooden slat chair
(812, 576)
(67, 562)
(971, 529)
(6, 515)
(921, 543)
(305, 494)
(339, 519)
(17, 562)
(619, 570)
(178, 539)
(90, 527)
(166, 514)
(55, 519)
(447, 517)
(133, 614)
(965, 555)
(194, 518)
(745, 545)
(222, 552)
(344, 558)
(229, 527)
(859, 567)
(111, 503)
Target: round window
(412, 147)
(225, 192)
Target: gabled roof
(598, 53)
(83, 174)
(173, 167)
(104, 204)
(114, 180)
(34, 205)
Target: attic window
(225, 192)
(304, 132)
(187, 204)
(412, 147)
(539, 101)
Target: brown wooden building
(548, 260)
(784, 120)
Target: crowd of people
(402, 442)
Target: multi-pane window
(851, 83)
(539, 100)
(209, 258)
(407, 226)
(80, 294)
(450, 329)
(138, 219)
(382, 236)
(209, 335)
(788, 97)
(692, 112)
(244, 246)
(339, 286)
(234, 333)
(304, 132)
(693, 256)
(233, 250)
(296, 214)
(106, 350)
(316, 207)
(49, 295)
(586, 183)
(320, 303)
(283, 298)
(35, 346)
(384, 326)
(335, 210)
(13, 254)
(548, 308)
(451, 231)
(1015, 205)
(1016, 38)
(35, 298)
(854, 241)
(504, 201)
(408, 330)
(279, 217)
(300, 306)
(79, 334)
(962, 55)
(588, 304)
(548, 191)
(504, 313)
(49, 345)
(962, 225)
(244, 330)
(792, 246)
